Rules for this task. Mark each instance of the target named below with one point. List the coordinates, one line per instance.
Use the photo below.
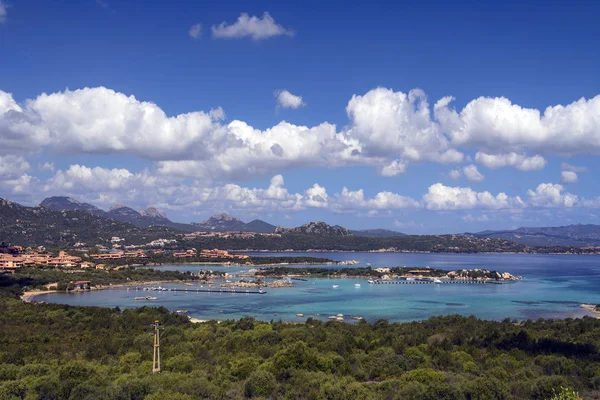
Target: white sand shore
(591, 308)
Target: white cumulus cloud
(441, 197)
(12, 166)
(348, 199)
(195, 31)
(568, 177)
(2, 12)
(454, 174)
(394, 168)
(551, 195)
(574, 168)
(387, 130)
(518, 161)
(472, 173)
(250, 26)
(496, 124)
(385, 122)
(287, 100)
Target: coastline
(28, 296)
(591, 309)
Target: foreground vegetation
(50, 351)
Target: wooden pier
(446, 282)
(210, 290)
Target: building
(117, 255)
(220, 254)
(185, 254)
(63, 260)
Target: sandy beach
(591, 308)
(29, 295)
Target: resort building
(116, 255)
(216, 253)
(10, 262)
(185, 254)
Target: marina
(553, 287)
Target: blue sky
(327, 111)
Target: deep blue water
(554, 286)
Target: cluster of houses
(14, 257)
(220, 254)
(226, 235)
(116, 255)
(11, 262)
(214, 254)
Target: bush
(260, 383)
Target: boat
(357, 285)
(145, 298)
(336, 286)
(300, 315)
(371, 281)
(181, 311)
(437, 281)
(332, 317)
(357, 318)
(340, 315)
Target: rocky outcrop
(316, 229)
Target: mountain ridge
(579, 235)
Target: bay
(554, 287)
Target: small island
(389, 273)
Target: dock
(447, 282)
(210, 290)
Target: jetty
(209, 290)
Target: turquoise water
(554, 287)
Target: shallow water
(554, 286)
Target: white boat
(300, 315)
(357, 285)
(146, 298)
(437, 281)
(336, 286)
(371, 282)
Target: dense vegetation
(52, 351)
(444, 243)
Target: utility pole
(156, 357)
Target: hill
(377, 233)
(62, 203)
(35, 226)
(315, 229)
(228, 223)
(142, 218)
(570, 235)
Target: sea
(553, 287)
